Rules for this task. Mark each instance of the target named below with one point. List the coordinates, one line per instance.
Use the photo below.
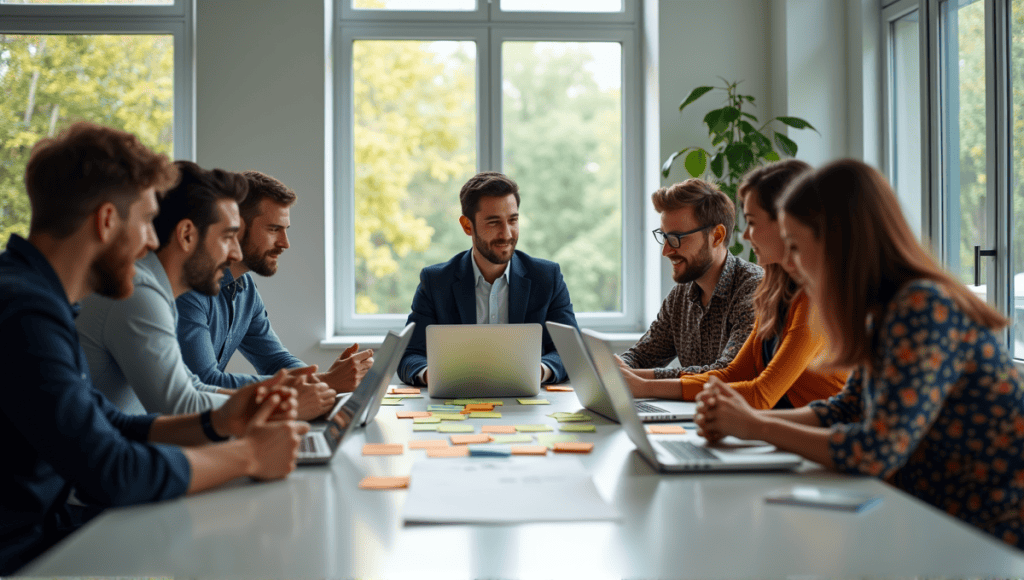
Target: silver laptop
(385, 362)
(586, 383)
(483, 360)
(672, 453)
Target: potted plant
(737, 145)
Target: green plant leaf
(721, 137)
(749, 98)
(667, 166)
(752, 258)
(736, 248)
(749, 116)
(696, 162)
(761, 141)
(740, 157)
(747, 128)
(797, 122)
(729, 115)
(770, 156)
(717, 163)
(714, 121)
(787, 145)
(694, 95)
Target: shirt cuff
(420, 380)
(546, 374)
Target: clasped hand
(722, 411)
(349, 368)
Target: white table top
(317, 523)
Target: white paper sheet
(475, 490)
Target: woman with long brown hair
(774, 367)
(934, 405)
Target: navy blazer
(447, 295)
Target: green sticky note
(405, 396)
(503, 439)
(424, 427)
(550, 440)
(420, 420)
(534, 401)
(465, 402)
(390, 401)
(455, 428)
(533, 428)
(577, 428)
(484, 415)
(450, 416)
(570, 418)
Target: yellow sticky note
(390, 401)
(484, 415)
(534, 401)
(423, 420)
(453, 428)
(577, 428)
(450, 416)
(533, 428)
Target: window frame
(488, 31)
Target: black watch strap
(207, 424)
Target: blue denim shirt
(59, 431)
(211, 328)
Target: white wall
(260, 105)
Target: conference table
(317, 523)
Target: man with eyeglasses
(708, 315)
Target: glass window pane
(561, 6)
(905, 79)
(562, 119)
(50, 81)
(963, 140)
(414, 131)
(417, 5)
(1017, 174)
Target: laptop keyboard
(312, 444)
(688, 452)
(643, 407)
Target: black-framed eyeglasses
(674, 239)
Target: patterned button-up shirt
(703, 338)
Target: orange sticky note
(529, 449)
(457, 451)
(467, 439)
(411, 414)
(478, 407)
(666, 429)
(382, 449)
(428, 443)
(558, 388)
(405, 391)
(570, 447)
(384, 482)
(498, 429)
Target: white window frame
(488, 27)
(176, 20)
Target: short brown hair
(195, 198)
(87, 165)
(485, 184)
(263, 186)
(871, 253)
(710, 206)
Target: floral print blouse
(940, 413)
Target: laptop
(317, 447)
(385, 363)
(586, 383)
(483, 360)
(675, 454)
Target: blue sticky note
(489, 450)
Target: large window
(428, 93)
(122, 64)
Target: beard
(112, 271)
(489, 253)
(698, 267)
(259, 263)
(200, 272)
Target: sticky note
(577, 428)
(550, 439)
(558, 388)
(528, 450)
(534, 401)
(533, 428)
(489, 450)
(453, 428)
(427, 443)
(494, 403)
(567, 417)
(411, 414)
(573, 447)
(498, 429)
(383, 449)
(666, 429)
(424, 427)
(423, 420)
(384, 482)
(512, 438)
(457, 451)
(450, 416)
(478, 407)
(397, 396)
(404, 391)
(484, 415)
(390, 401)
(467, 439)
(445, 408)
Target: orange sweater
(787, 373)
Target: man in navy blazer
(492, 283)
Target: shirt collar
(228, 280)
(478, 276)
(722, 288)
(31, 255)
